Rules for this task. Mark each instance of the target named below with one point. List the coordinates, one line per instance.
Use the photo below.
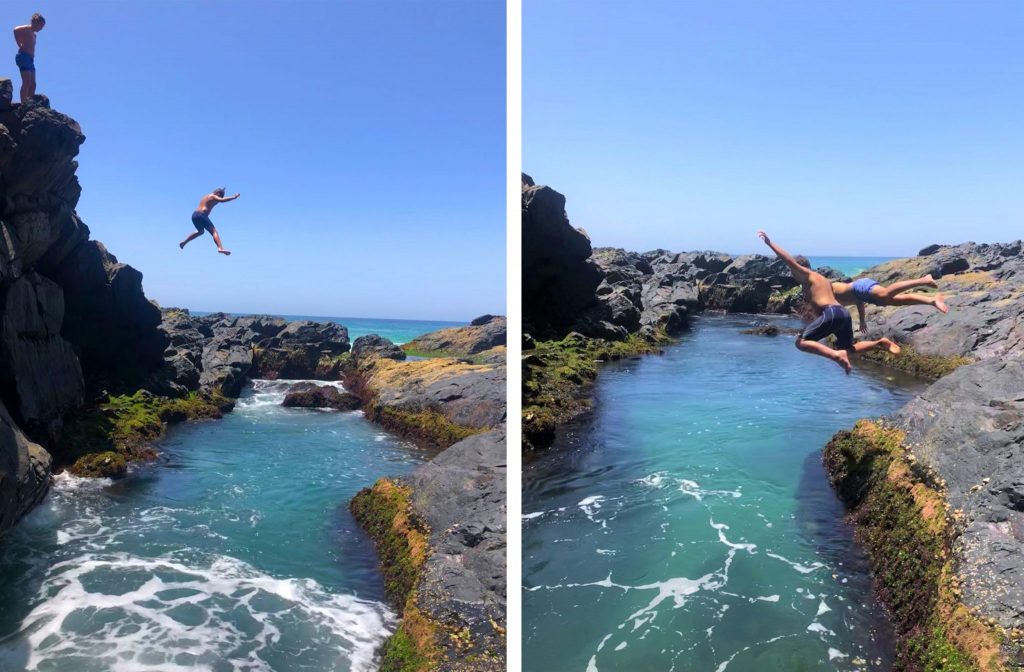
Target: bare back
(818, 291)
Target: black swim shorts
(833, 320)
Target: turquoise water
(688, 525)
(851, 266)
(235, 551)
(397, 331)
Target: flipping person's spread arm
(798, 269)
(863, 318)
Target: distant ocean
(397, 331)
(849, 265)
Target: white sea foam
(590, 506)
(128, 613)
(272, 392)
(803, 569)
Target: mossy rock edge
(901, 517)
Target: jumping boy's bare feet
(843, 360)
(224, 252)
(940, 303)
(181, 245)
(930, 281)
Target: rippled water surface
(688, 525)
(234, 552)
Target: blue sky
(367, 140)
(859, 128)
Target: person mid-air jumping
(866, 290)
(201, 218)
(832, 318)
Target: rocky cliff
(937, 490)
(73, 320)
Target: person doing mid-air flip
(831, 318)
(866, 290)
(25, 36)
(201, 218)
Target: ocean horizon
(397, 330)
(848, 265)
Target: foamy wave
(661, 479)
(272, 392)
(163, 614)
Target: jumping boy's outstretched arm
(225, 199)
(800, 272)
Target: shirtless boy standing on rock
(832, 318)
(25, 36)
(201, 218)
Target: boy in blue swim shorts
(201, 219)
(25, 36)
(865, 290)
(831, 319)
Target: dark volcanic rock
(297, 350)
(969, 428)
(24, 472)
(461, 494)
(309, 395)
(108, 318)
(226, 363)
(373, 345)
(559, 278)
(40, 375)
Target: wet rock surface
(462, 496)
(24, 472)
(311, 395)
(968, 428)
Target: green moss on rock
(401, 537)
(901, 518)
(932, 367)
(126, 426)
(99, 465)
(424, 427)
(557, 373)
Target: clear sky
(367, 140)
(858, 128)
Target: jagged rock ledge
(936, 491)
(441, 532)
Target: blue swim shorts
(862, 290)
(833, 320)
(202, 222)
(25, 62)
